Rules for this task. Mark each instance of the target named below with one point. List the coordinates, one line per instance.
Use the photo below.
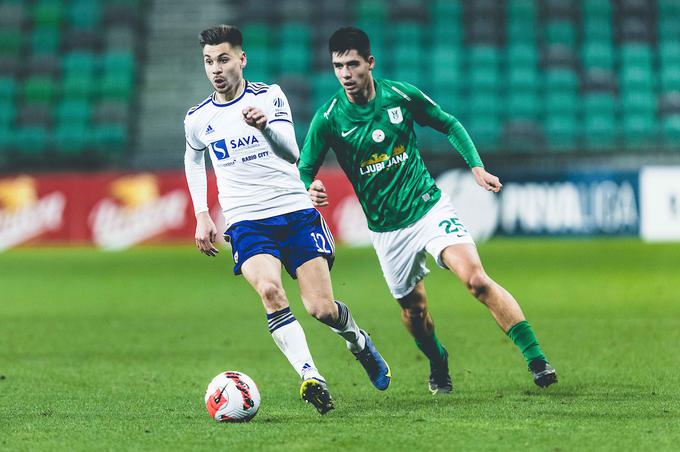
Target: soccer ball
(232, 397)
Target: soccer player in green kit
(369, 125)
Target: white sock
(346, 327)
(290, 338)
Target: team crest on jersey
(395, 115)
(279, 103)
(378, 136)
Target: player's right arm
(312, 156)
(197, 181)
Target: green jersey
(375, 144)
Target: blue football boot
(374, 364)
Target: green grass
(113, 351)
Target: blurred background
(553, 92)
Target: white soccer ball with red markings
(232, 397)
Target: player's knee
(478, 283)
(414, 308)
(272, 294)
(323, 312)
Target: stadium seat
(78, 63)
(597, 54)
(636, 55)
(484, 131)
(84, 13)
(560, 102)
(31, 141)
(560, 32)
(599, 121)
(639, 130)
(11, 41)
(324, 85)
(522, 77)
(671, 130)
(77, 87)
(71, 138)
(73, 111)
(116, 87)
(670, 78)
(521, 54)
(8, 113)
(256, 35)
(522, 105)
(8, 88)
(561, 79)
(45, 40)
(637, 77)
(597, 29)
(446, 10)
(109, 138)
(561, 131)
(484, 103)
(372, 10)
(38, 89)
(48, 12)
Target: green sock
(525, 339)
(431, 347)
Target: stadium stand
(59, 61)
(589, 76)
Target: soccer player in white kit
(248, 131)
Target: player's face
(224, 66)
(353, 71)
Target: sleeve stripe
(280, 119)
(189, 144)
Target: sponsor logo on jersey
(378, 136)
(280, 113)
(395, 115)
(136, 211)
(219, 148)
(209, 130)
(243, 142)
(380, 162)
(24, 215)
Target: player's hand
(486, 180)
(317, 192)
(206, 234)
(254, 117)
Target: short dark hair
(219, 34)
(350, 38)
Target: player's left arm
(427, 112)
(276, 124)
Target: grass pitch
(113, 351)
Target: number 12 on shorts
(453, 226)
(320, 242)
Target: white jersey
(253, 183)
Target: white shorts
(402, 253)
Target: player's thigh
(442, 228)
(307, 238)
(463, 260)
(402, 259)
(314, 280)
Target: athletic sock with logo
(346, 327)
(290, 338)
(525, 339)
